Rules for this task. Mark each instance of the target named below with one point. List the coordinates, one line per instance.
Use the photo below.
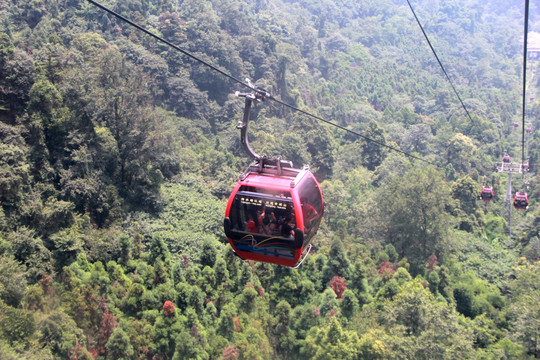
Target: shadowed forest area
(118, 154)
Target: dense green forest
(118, 153)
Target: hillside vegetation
(118, 153)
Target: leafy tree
(166, 330)
(67, 244)
(285, 337)
(158, 250)
(422, 327)
(373, 152)
(372, 345)
(79, 352)
(230, 353)
(12, 281)
(413, 212)
(187, 347)
(328, 303)
(303, 318)
(338, 285)
(464, 191)
(359, 283)
(60, 333)
(18, 77)
(208, 254)
(460, 149)
(222, 273)
(349, 304)
(30, 250)
(18, 326)
(417, 139)
(338, 263)
(226, 326)
(332, 342)
(15, 174)
(106, 329)
(118, 346)
(525, 292)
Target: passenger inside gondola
(521, 200)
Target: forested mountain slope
(118, 154)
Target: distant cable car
(487, 193)
(274, 210)
(521, 200)
(528, 129)
(516, 124)
(506, 158)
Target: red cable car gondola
(521, 200)
(528, 129)
(516, 124)
(274, 210)
(487, 193)
(273, 218)
(506, 158)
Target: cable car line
(255, 88)
(112, 12)
(525, 33)
(354, 132)
(439, 61)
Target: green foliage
(413, 214)
(349, 304)
(18, 326)
(60, 333)
(464, 191)
(12, 281)
(525, 310)
(419, 326)
(117, 155)
(119, 346)
(333, 342)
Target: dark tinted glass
(312, 207)
(263, 214)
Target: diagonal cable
(250, 86)
(353, 132)
(525, 33)
(440, 63)
(112, 12)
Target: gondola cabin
(273, 217)
(506, 158)
(487, 193)
(521, 200)
(516, 124)
(528, 129)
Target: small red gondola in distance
(487, 193)
(521, 200)
(506, 158)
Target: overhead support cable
(185, 52)
(525, 34)
(256, 89)
(354, 132)
(439, 61)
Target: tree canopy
(118, 153)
